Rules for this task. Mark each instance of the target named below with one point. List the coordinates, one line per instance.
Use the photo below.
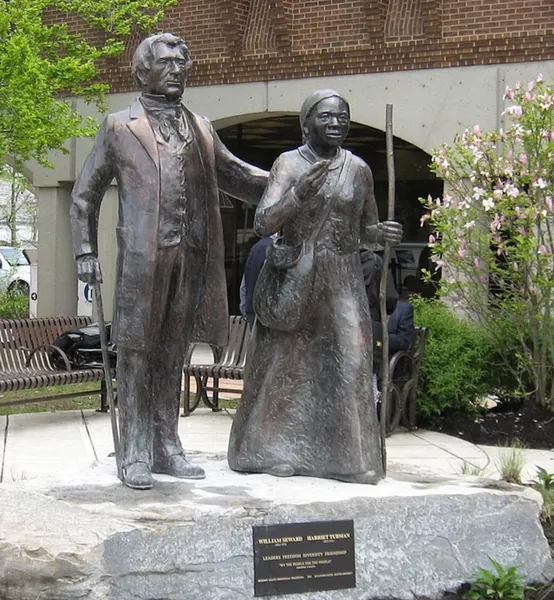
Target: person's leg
(167, 371)
(135, 417)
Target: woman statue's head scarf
(313, 100)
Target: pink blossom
(546, 102)
(540, 78)
(509, 94)
(549, 204)
(423, 219)
(461, 251)
(544, 249)
(528, 96)
(477, 130)
(488, 203)
(530, 86)
(432, 239)
(512, 190)
(552, 136)
(518, 85)
(517, 210)
(476, 263)
(540, 183)
(495, 223)
(523, 158)
(513, 110)
(516, 266)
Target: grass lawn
(91, 400)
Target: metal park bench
(25, 363)
(228, 364)
(404, 375)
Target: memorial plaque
(303, 557)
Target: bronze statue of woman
(307, 406)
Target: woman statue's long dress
(307, 406)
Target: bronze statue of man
(170, 290)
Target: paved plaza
(38, 444)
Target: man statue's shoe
(138, 476)
(178, 466)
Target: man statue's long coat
(125, 148)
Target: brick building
(443, 64)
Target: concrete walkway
(38, 444)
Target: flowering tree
(493, 232)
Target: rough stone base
(86, 536)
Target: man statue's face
(168, 72)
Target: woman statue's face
(328, 123)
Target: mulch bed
(531, 424)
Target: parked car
(15, 271)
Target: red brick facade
(235, 41)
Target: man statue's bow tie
(169, 117)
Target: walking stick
(383, 288)
(108, 375)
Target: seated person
(254, 264)
(372, 268)
(401, 327)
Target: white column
(57, 278)
(57, 281)
(107, 248)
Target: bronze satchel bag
(285, 282)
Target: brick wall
(235, 41)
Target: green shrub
(14, 306)
(505, 584)
(455, 371)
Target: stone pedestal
(84, 535)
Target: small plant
(544, 483)
(471, 469)
(511, 462)
(504, 584)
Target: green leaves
(504, 584)
(462, 346)
(544, 484)
(42, 60)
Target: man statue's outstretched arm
(236, 177)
